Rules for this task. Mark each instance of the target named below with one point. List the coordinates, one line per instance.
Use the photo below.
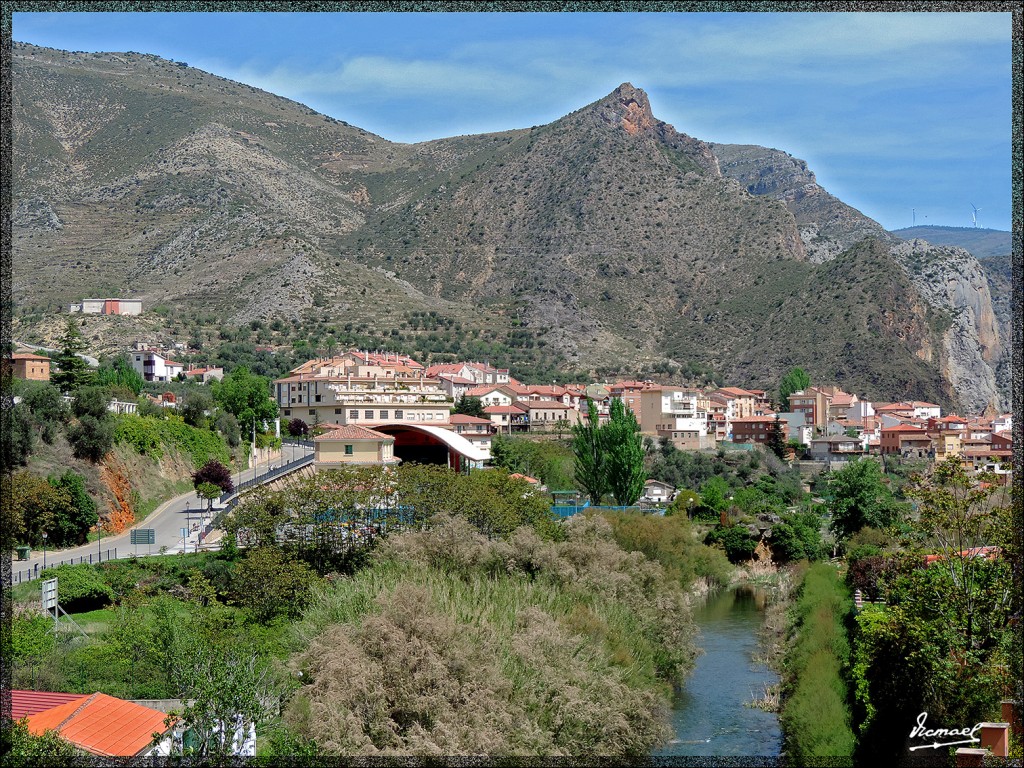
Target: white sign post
(50, 598)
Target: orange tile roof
(527, 478)
(513, 409)
(28, 356)
(101, 724)
(461, 418)
(735, 392)
(24, 703)
(353, 432)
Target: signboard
(49, 595)
(143, 536)
(184, 533)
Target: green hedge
(816, 715)
(151, 436)
(79, 587)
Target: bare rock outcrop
(951, 279)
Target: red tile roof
(513, 409)
(28, 356)
(902, 428)
(353, 432)
(527, 478)
(461, 418)
(24, 703)
(101, 724)
(735, 392)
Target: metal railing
(21, 575)
(272, 473)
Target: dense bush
(670, 542)
(453, 643)
(816, 717)
(151, 436)
(79, 587)
(736, 540)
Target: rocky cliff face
(952, 279)
(828, 226)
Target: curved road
(167, 520)
(92, 361)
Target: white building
(155, 367)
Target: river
(710, 717)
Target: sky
(904, 116)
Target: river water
(710, 717)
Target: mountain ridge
(603, 239)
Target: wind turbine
(974, 216)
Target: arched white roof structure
(454, 441)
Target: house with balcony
(905, 440)
(362, 389)
(836, 449)
(155, 366)
(508, 418)
(478, 431)
(754, 429)
(549, 415)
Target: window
(348, 450)
(318, 398)
(399, 414)
(293, 399)
(353, 414)
(383, 414)
(367, 414)
(312, 412)
(287, 411)
(337, 410)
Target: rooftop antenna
(974, 215)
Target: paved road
(185, 511)
(92, 361)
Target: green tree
(246, 396)
(958, 515)
(120, 374)
(858, 496)
(591, 457)
(92, 435)
(268, 584)
(49, 410)
(23, 748)
(35, 507)
(228, 687)
(625, 454)
(194, 406)
(21, 434)
(777, 438)
(469, 406)
(794, 381)
(73, 527)
(72, 371)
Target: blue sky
(894, 112)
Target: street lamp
(99, 541)
(188, 522)
(44, 550)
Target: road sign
(143, 536)
(49, 595)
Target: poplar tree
(590, 465)
(624, 454)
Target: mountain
(605, 241)
(982, 243)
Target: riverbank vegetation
(816, 716)
(481, 627)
